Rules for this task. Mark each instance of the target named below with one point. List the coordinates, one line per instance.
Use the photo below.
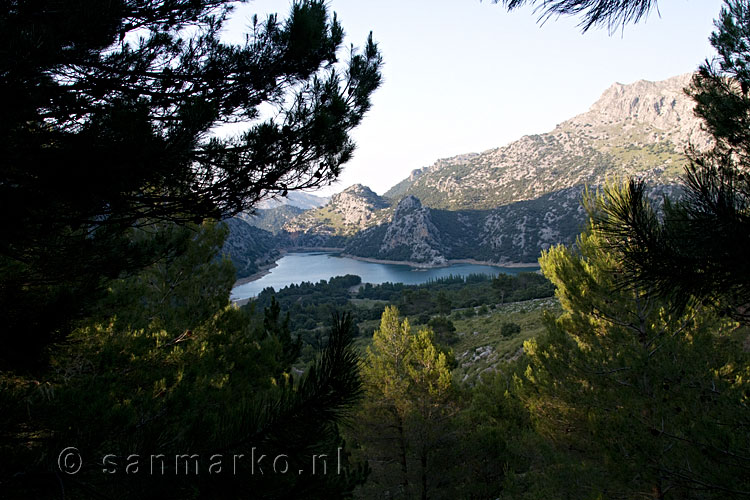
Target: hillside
(298, 199)
(410, 236)
(251, 248)
(639, 129)
(347, 213)
(507, 204)
(272, 219)
(511, 234)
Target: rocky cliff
(251, 248)
(507, 204)
(409, 236)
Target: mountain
(510, 234)
(251, 248)
(347, 213)
(639, 129)
(410, 236)
(507, 204)
(272, 219)
(298, 199)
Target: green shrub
(509, 329)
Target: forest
(621, 370)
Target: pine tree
(637, 398)
(697, 248)
(610, 13)
(408, 401)
(110, 122)
(176, 370)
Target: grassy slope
(480, 346)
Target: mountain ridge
(507, 204)
(299, 199)
(638, 129)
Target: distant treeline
(310, 305)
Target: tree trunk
(423, 460)
(402, 453)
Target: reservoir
(315, 266)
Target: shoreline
(262, 271)
(313, 249)
(448, 263)
(511, 265)
(266, 268)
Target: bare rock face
(357, 205)
(250, 247)
(412, 232)
(659, 106)
(509, 203)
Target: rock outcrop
(250, 248)
(412, 236)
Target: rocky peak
(359, 195)
(412, 228)
(415, 173)
(661, 105)
(408, 203)
(357, 189)
(356, 205)
(646, 100)
(640, 129)
(353, 209)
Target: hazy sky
(466, 76)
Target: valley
(502, 206)
(389, 250)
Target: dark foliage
(698, 248)
(445, 330)
(168, 369)
(509, 329)
(109, 114)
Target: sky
(463, 76)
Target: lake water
(315, 266)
